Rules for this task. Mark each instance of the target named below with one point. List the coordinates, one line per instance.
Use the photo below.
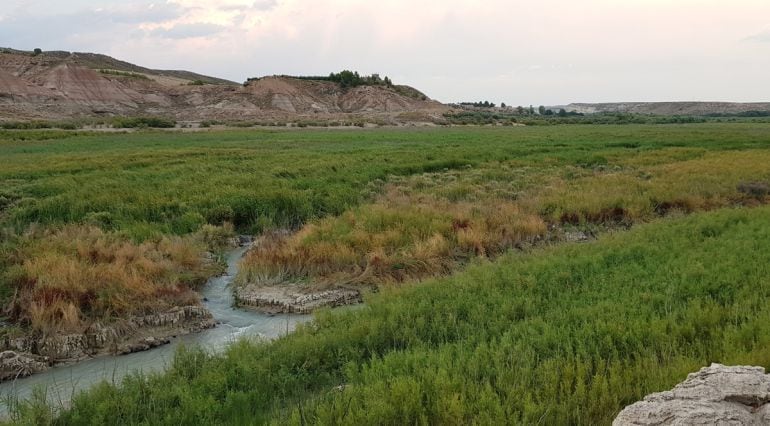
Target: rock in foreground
(715, 395)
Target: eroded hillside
(63, 85)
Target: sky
(532, 52)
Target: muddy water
(61, 383)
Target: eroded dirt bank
(34, 353)
(287, 299)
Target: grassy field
(152, 183)
(99, 226)
(371, 206)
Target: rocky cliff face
(715, 395)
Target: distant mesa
(670, 108)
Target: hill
(60, 85)
(667, 108)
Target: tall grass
(633, 191)
(65, 279)
(258, 179)
(563, 335)
(400, 237)
(428, 224)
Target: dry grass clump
(77, 274)
(404, 235)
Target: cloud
(763, 37)
(181, 31)
(264, 4)
(142, 12)
(241, 7)
(80, 25)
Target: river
(62, 382)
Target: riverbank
(288, 299)
(35, 353)
(63, 380)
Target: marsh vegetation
(534, 329)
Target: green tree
(347, 78)
(541, 110)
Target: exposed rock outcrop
(715, 395)
(293, 299)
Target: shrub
(39, 124)
(188, 222)
(216, 237)
(220, 214)
(142, 122)
(209, 123)
(754, 189)
(345, 78)
(103, 220)
(124, 74)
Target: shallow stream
(62, 382)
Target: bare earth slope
(61, 85)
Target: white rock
(715, 395)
